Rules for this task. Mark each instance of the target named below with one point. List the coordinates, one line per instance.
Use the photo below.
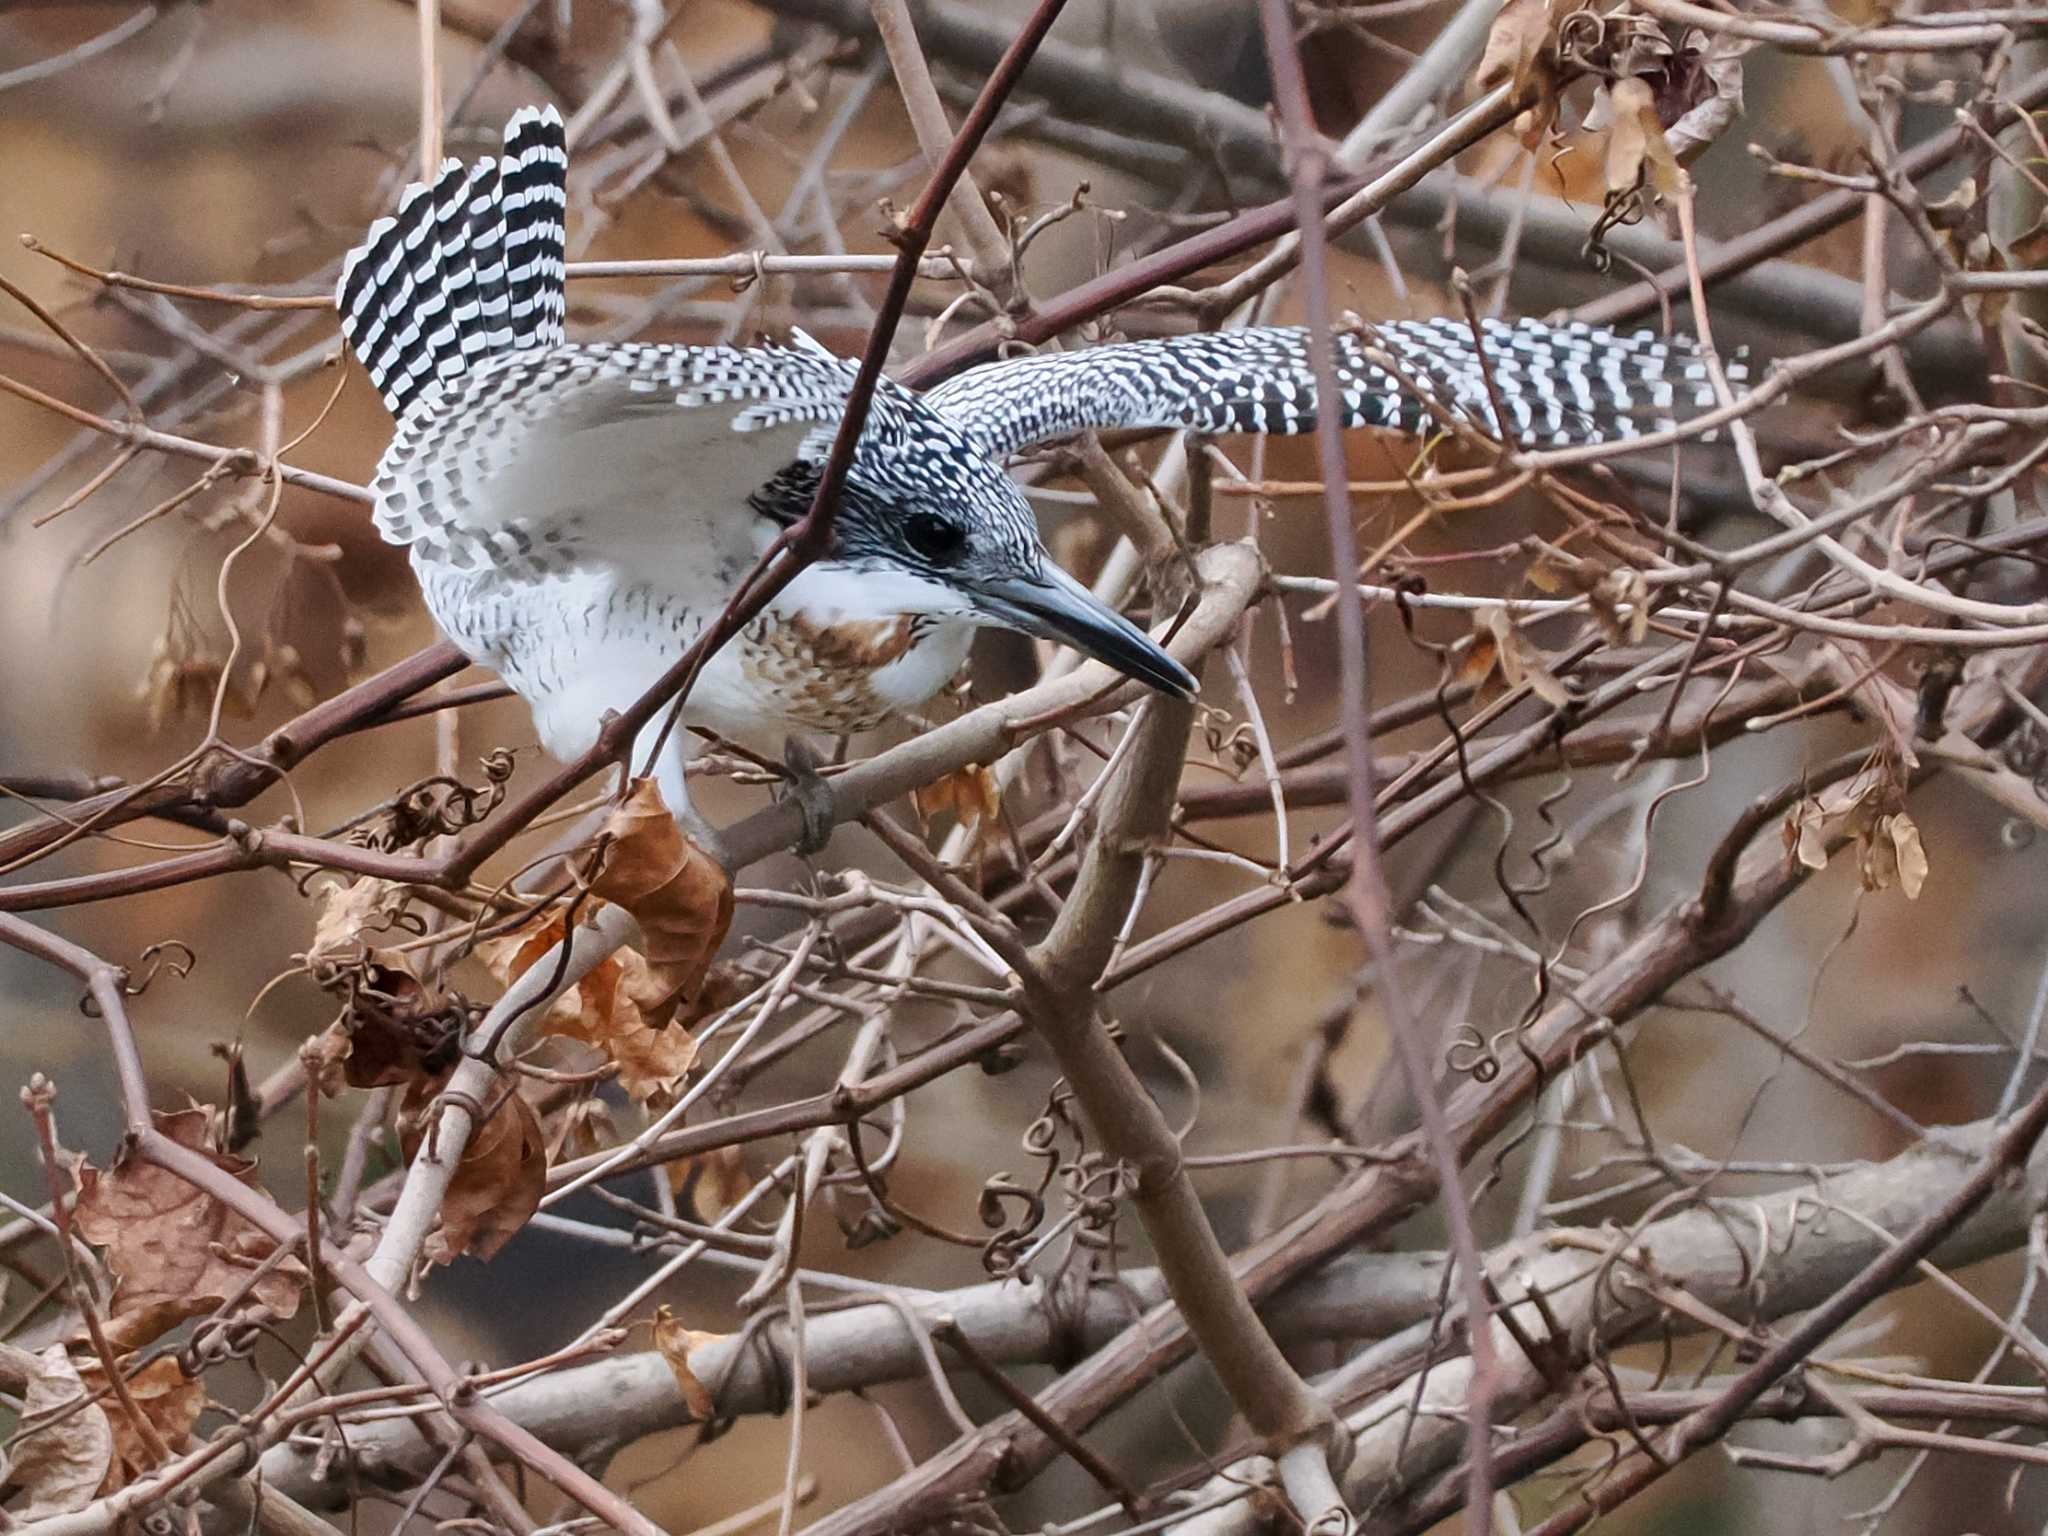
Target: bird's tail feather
(469, 266)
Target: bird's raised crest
(470, 266)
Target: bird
(577, 513)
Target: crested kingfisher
(577, 513)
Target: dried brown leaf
(1521, 660)
(971, 793)
(352, 917)
(1521, 48)
(583, 1127)
(715, 1181)
(509, 956)
(1636, 145)
(64, 1446)
(1848, 809)
(1618, 596)
(626, 1006)
(397, 1030)
(179, 683)
(1551, 576)
(676, 1341)
(1806, 835)
(1878, 864)
(653, 1059)
(1481, 664)
(1712, 83)
(974, 797)
(679, 894)
(606, 1010)
(169, 1399)
(497, 1185)
(1905, 835)
(1893, 855)
(1634, 45)
(176, 1252)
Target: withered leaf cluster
(1657, 103)
(1500, 656)
(64, 1446)
(175, 1251)
(972, 795)
(401, 1024)
(1868, 813)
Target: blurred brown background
(244, 144)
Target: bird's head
(952, 536)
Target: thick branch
(1359, 1295)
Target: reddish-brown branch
(230, 779)
(1366, 892)
(1097, 297)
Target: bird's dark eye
(934, 538)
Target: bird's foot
(708, 839)
(813, 796)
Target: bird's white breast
(832, 654)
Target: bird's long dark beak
(1054, 606)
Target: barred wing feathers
(519, 452)
(1559, 385)
(591, 454)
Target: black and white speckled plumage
(534, 460)
(467, 267)
(578, 513)
(1559, 385)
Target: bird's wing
(582, 454)
(1556, 384)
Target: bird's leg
(671, 777)
(709, 839)
(813, 796)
